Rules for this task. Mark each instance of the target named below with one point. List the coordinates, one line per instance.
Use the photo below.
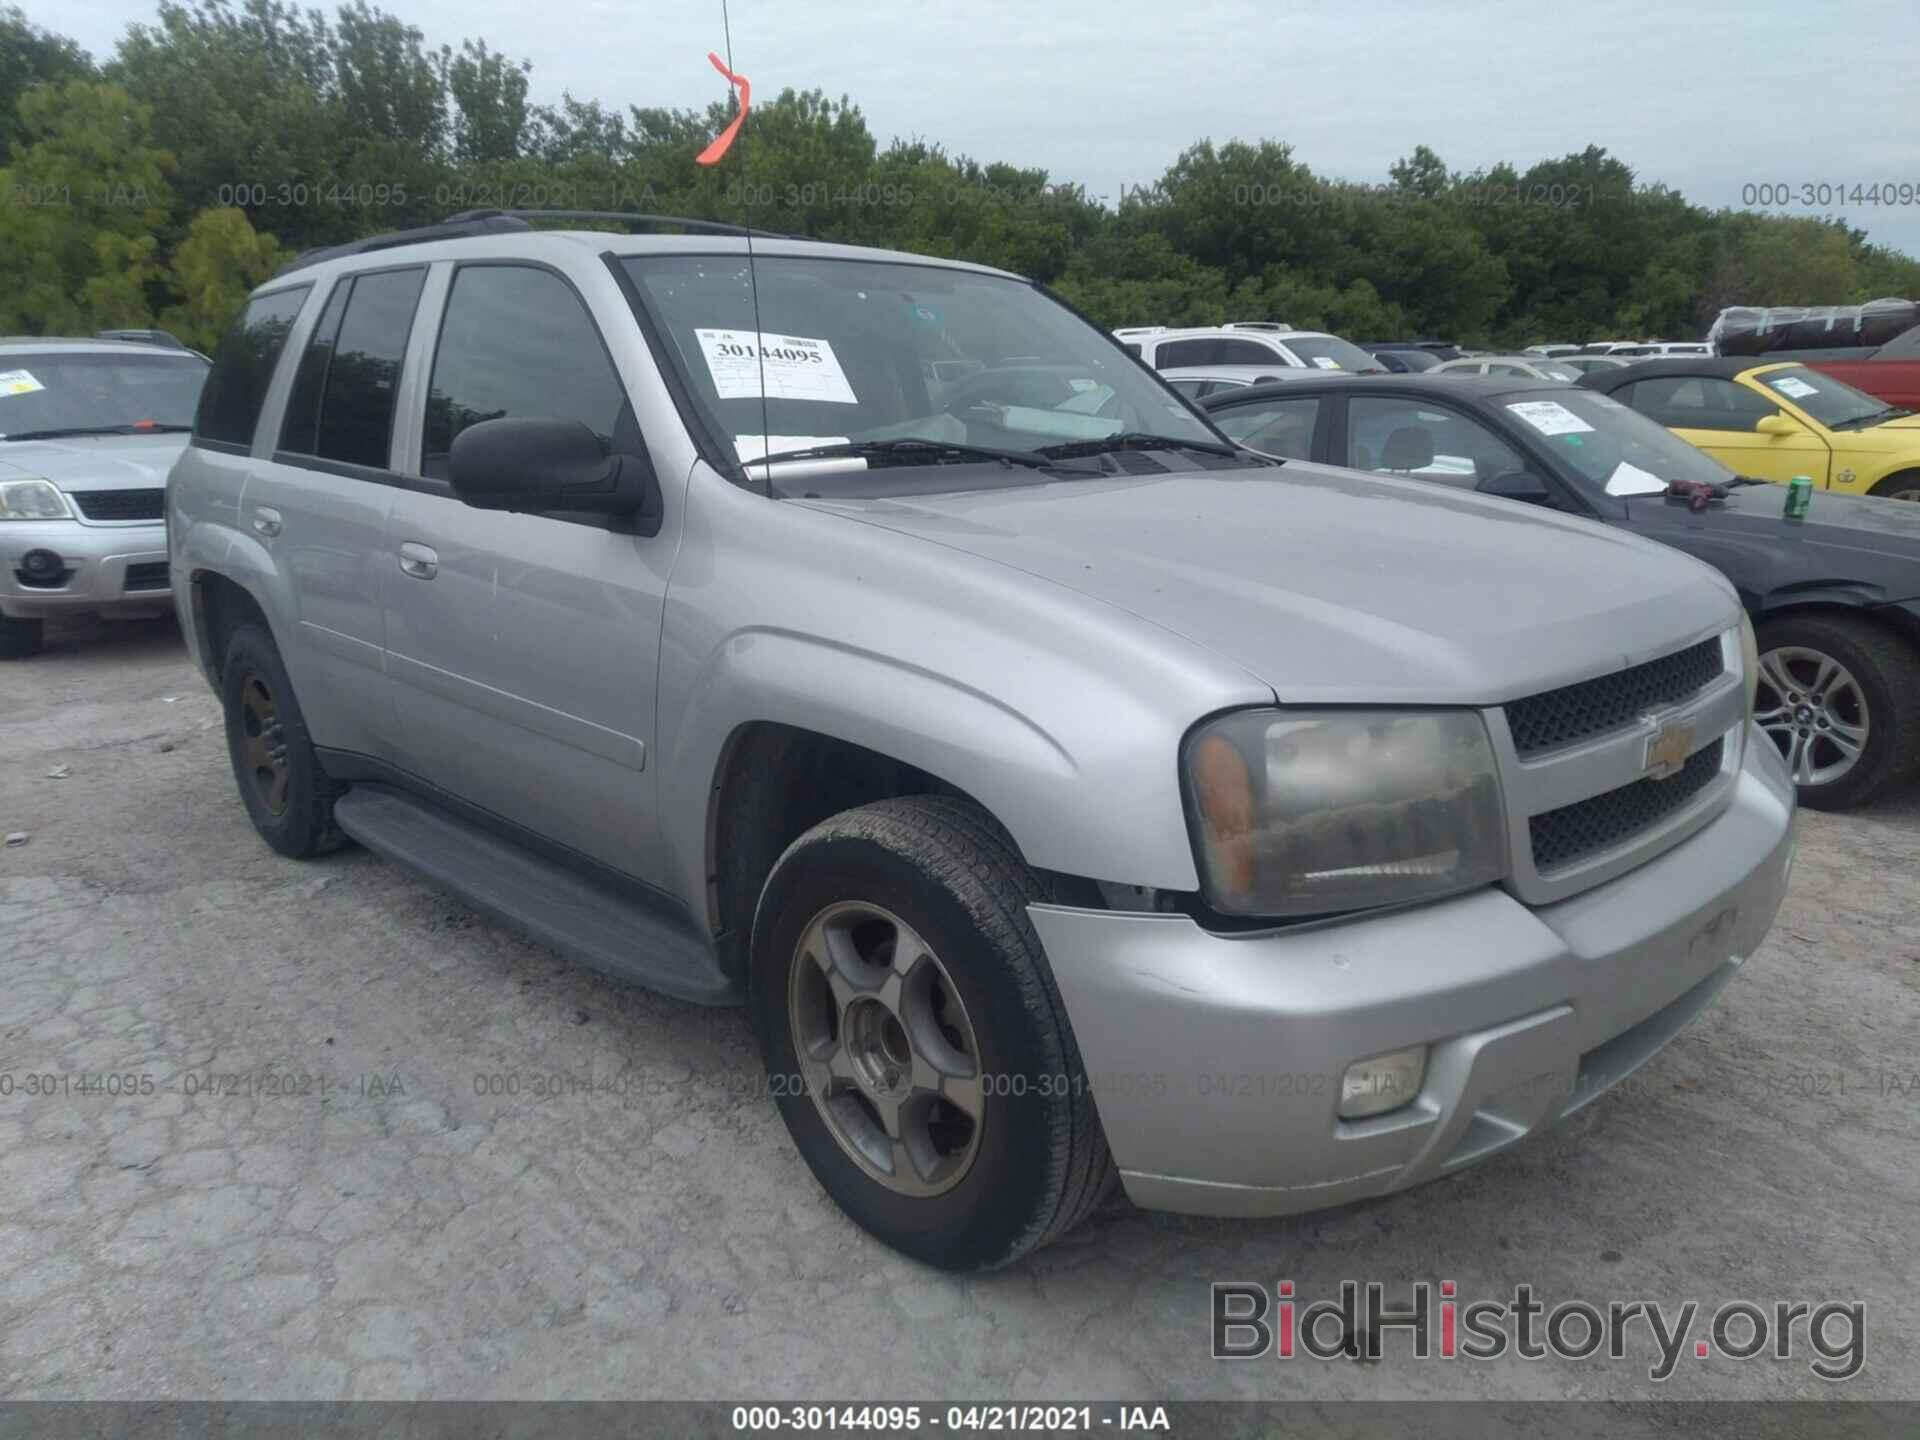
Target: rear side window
(343, 396)
(517, 341)
(1176, 353)
(1245, 352)
(243, 368)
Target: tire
(1904, 486)
(1877, 685)
(1030, 1161)
(21, 637)
(288, 796)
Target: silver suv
(1071, 795)
(88, 431)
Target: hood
(1854, 540)
(1333, 586)
(95, 462)
(1905, 425)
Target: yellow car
(1774, 421)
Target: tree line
(159, 185)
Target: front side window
(1274, 427)
(80, 392)
(243, 367)
(1176, 353)
(1700, 402)
(342, 404)
(1412, 437)
(860, 351)
(517, 341)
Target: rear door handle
(418, 560)
(266, 520)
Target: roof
(1278, 371)
(84, 345)
(1440, 387)
(1723, 367)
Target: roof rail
(163, 338)
(499, 222)
(1256, 325)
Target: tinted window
(1189, 352)
(1131, 348)
(1412, 437)
(1276, 427)
(243, 367)
(1191, 387)
(1700, 402)
(300, 431)
(1245, 352)
(357, 396)
(517, 341)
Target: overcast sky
(1709, 96)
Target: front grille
(1586, 827)
(1572, 713)
(120, 504)
(147, 575)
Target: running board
(586, 921)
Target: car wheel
(20, 638)
(915, 1041)
(1904, 486)
(287, 795)
(1840, 697)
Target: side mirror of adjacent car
(1518, 485)
(553, 467)
(1776, 425)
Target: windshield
(1618, 449)
(1832, 402)
(862, 351)
(1330, 352)
(1554, 370)
(76, 390)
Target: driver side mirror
(1518, 485)
(1776, 425)
(542, 466)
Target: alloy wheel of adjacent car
(887, 1048)
(1813, 708)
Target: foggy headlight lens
(1306, 813)
(32, 500)
(1749, 660)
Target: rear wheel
(1904, 486)
(288, 796)
(20, 637)
(917, 1046)
(1840, 698)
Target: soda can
(1799, 496)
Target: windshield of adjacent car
(1832, 402)
(862, 351)
(83, 391)
(1554, 370)
(1620, 450)
(1330, 352)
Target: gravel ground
(401, 1227)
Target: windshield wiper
(66, 432)
(1134, 440)
(911, 450)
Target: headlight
(1749, 660)
(32, 500)
(1308, 812)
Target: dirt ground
(414, 1220)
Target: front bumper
(1216, 1060)
(111, 568)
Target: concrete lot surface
(415, 1219)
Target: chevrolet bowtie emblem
(1667, 750)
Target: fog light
(1386, 1082)
(41, 565)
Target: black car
(1834, 598)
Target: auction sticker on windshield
(1793, 385)
(1550, 417)
(795, 367)
(18, 382)
(1326, 362)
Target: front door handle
(418, 561)
(266, 520)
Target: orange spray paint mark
(711, 155)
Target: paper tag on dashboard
(1550, 417)
(1326, 362)
(18, 382)
(795, 367)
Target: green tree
(221, 260)
(31, 56)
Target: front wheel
(1840, 697)
(1904, 486)
(914, 1038)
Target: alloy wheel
(1814, 710)
(886, 1049)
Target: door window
(1414, 437)
(343, 396)
(1700, 402)
(1176, 353)
(517, 341)
(1246, 352)
(243, 368)
(1274, 427)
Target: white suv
(1246, 343)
